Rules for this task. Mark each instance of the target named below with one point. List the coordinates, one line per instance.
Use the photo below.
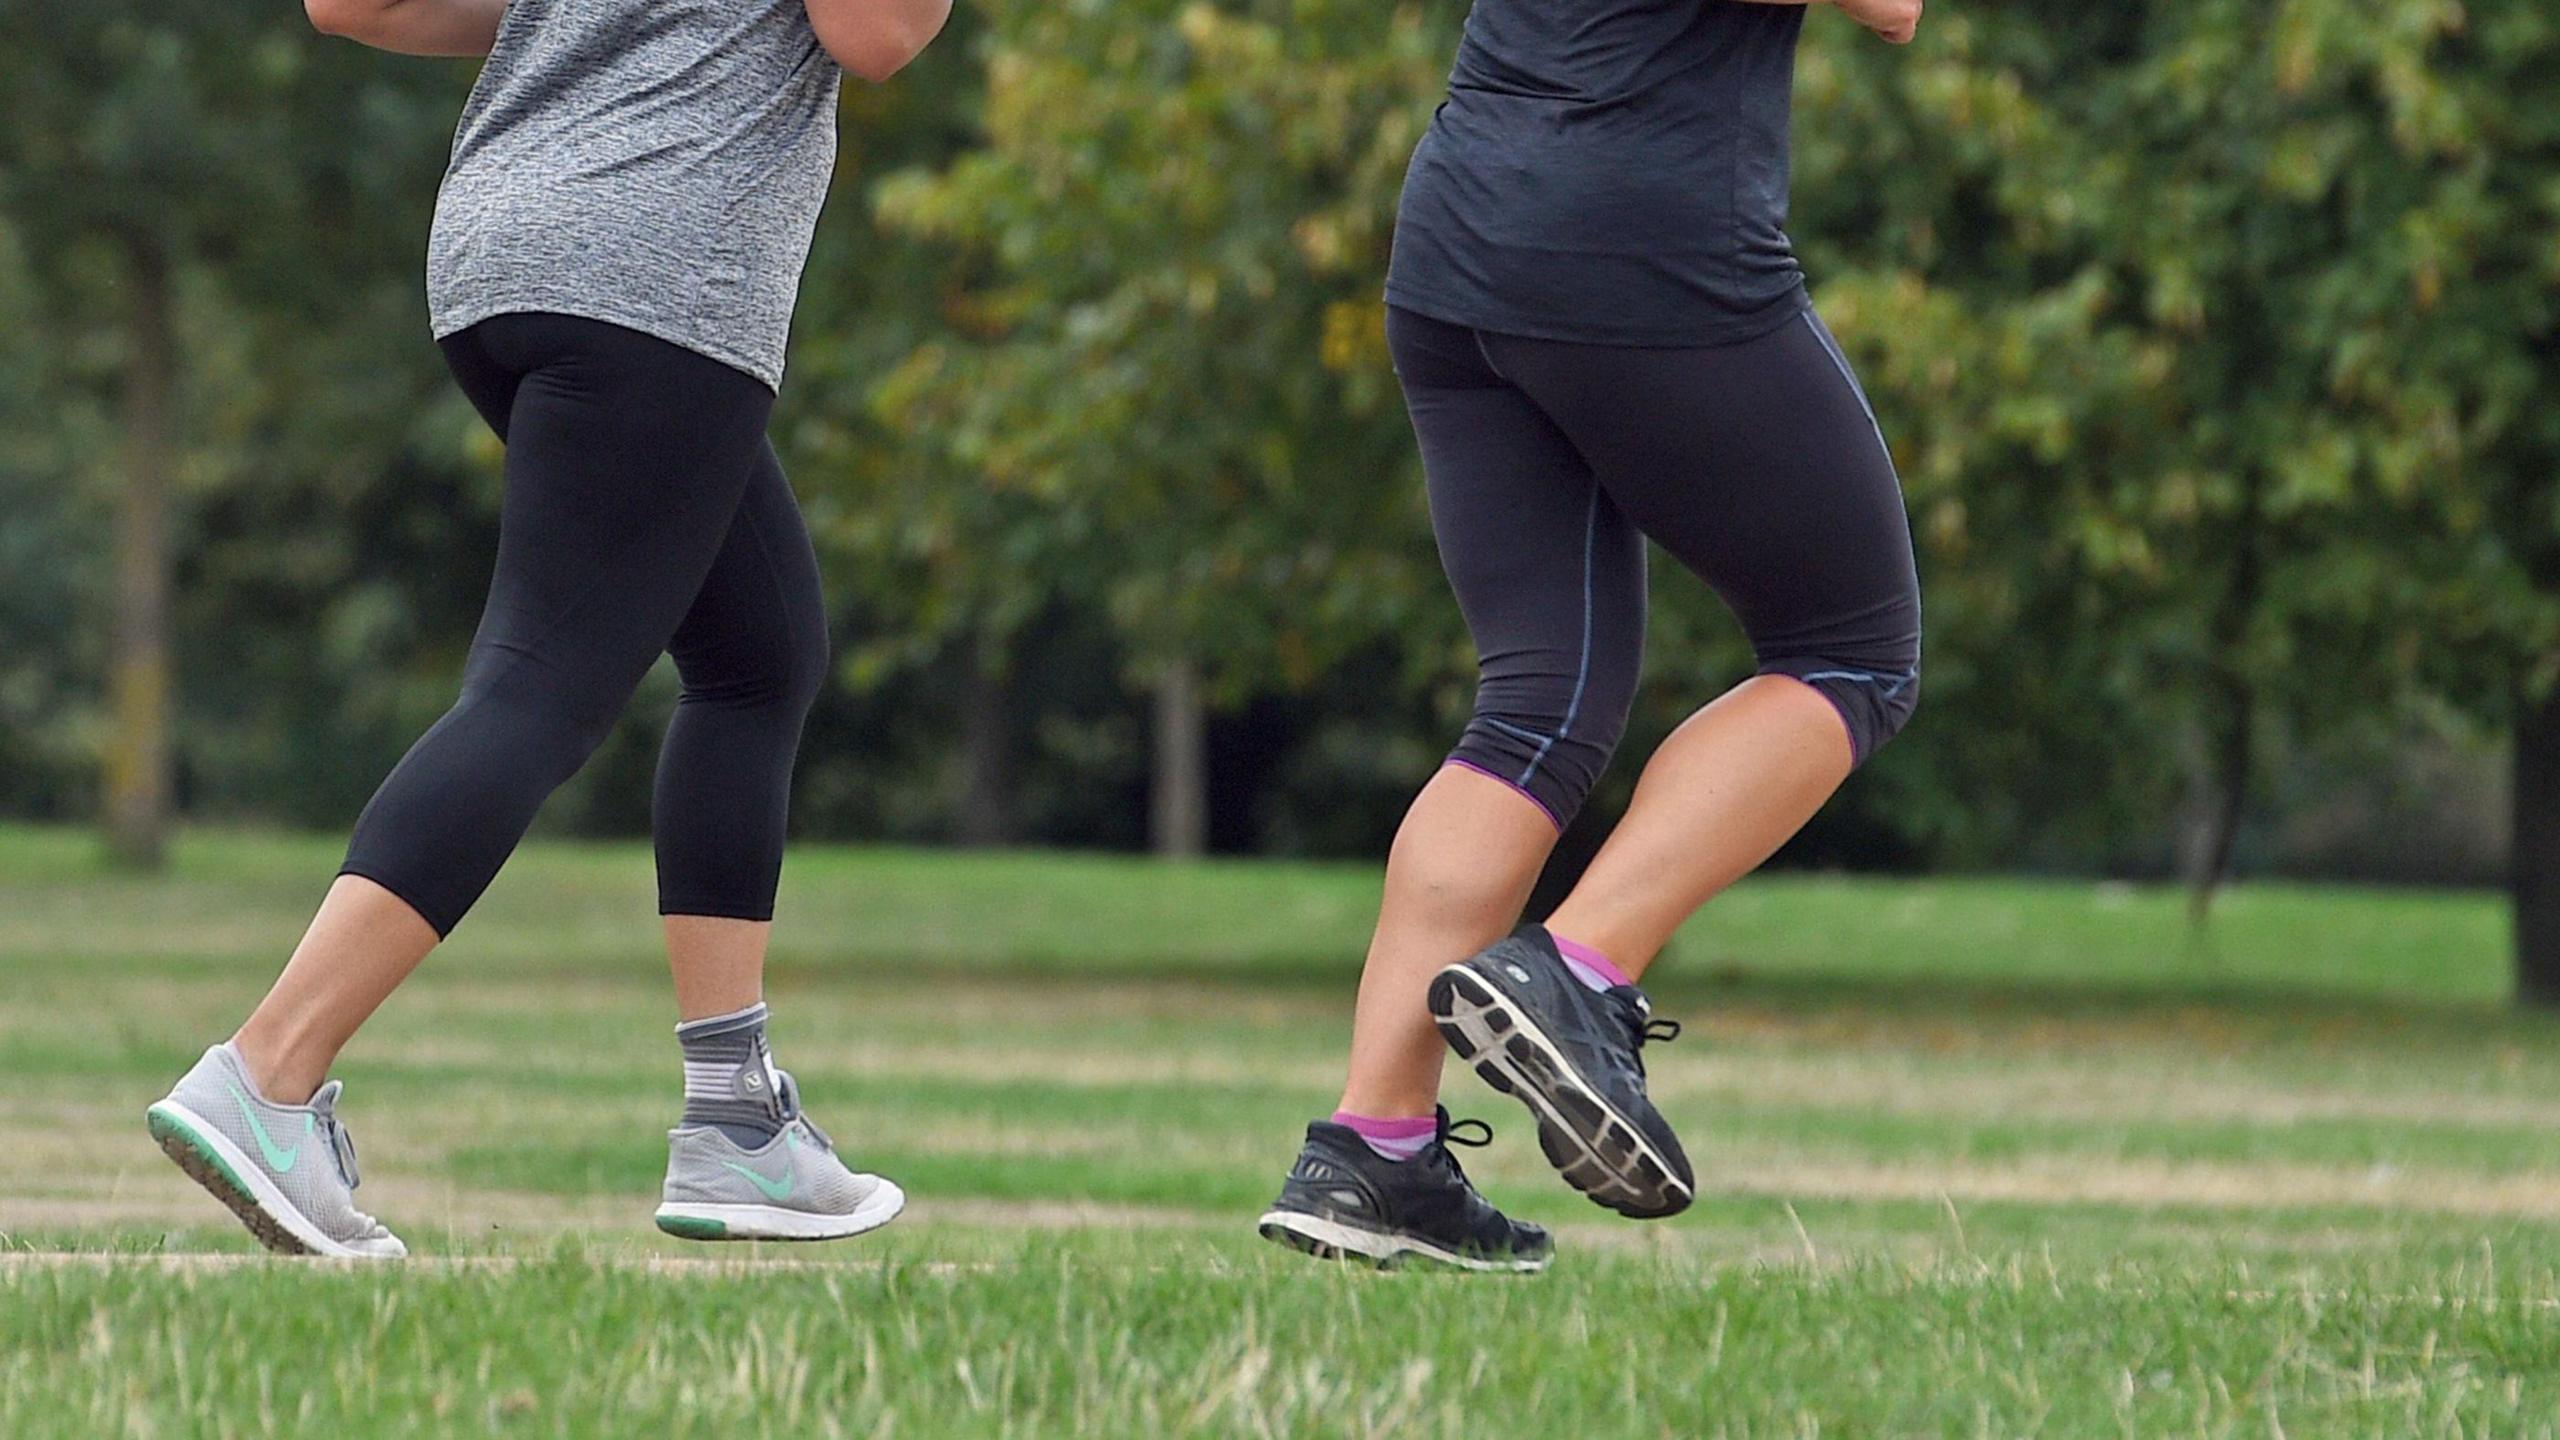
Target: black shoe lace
(1473, 1134)
(1636, 1014)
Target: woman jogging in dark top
(617, 249)
(1603, 337)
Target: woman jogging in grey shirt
(617, 247)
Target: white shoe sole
(1597, 1150)
(689, 1220)
(1333, 1240)
(228, 1174)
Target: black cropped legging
(645, 514)
(1757, 465)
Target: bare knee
(1875, 699)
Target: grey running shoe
(1344, 1201)
(1575, 1057)
(791, 1188)
(288, 1171)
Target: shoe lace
(786, 1097)
(1473, 1134)
(1636, 1014)
(342, 1145)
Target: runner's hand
(1895, 20)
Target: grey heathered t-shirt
(657, 164)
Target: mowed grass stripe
(587, 909)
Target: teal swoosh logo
(775, 1189)
(280, 1158)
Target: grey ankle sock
(729, 1079)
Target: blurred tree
(870, 296)
(1165, 396)
(49, 556)
(162, 162)
(2216, 342)
(2220, 343)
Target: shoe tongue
(787, 1091)
(1629, 1007)
(1631, 1004)
(342, 1146)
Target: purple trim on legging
(1511, 785)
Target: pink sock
(1399, 1138)
(1590, 966)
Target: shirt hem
(448, 322)
(1780, 311)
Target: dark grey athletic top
(1609, 171)
(658, 164)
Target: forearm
(412, 27)
(876, 38)
(1895, 20)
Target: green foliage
(2210, 364)
(321, 464)
(2216, 343)
(49, 557)
(1163, 393)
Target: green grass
(1979, 1158)
(1123, 1340)
(584, 906)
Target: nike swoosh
(280, 1158)
(774, 1189)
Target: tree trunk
(2235, 694)
(1178, 820)
(987, 786)
(2535, 882)
(138, 786)
(2230, 771)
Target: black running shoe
(1345, 1201)
(1574, 1056)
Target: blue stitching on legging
(1582, 677)
(1516, 732)
(1864, 678)
(1831, 348)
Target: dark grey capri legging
(1757, 465)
